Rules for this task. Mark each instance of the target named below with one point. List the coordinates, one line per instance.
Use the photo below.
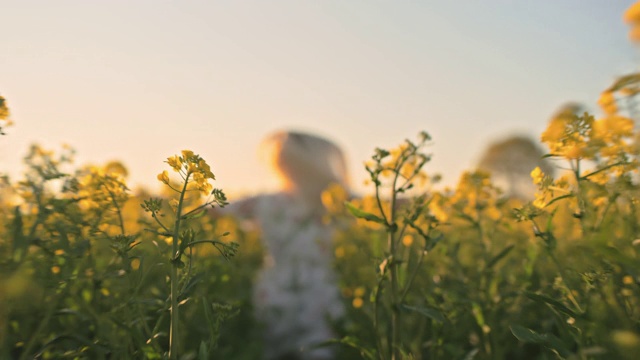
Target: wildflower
(407, 240)
(540, 201)
(175, 163)
(357, 302)
(187, 155)
(135, 263)
(537, 175)
(164, 177)
(205, 169)
(632, 14)
(607, 103)
(632, 17)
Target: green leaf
(553, 303)
(196, 215)
(500, 255)
(476, 310)
(366, 353)
(558, 198)
(431, 313)
(203, 351)
(363, 214)
(471, 354)
(526, 335)
(549, 341)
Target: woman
(296, 295)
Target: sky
(140, 80)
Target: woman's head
(304, 162)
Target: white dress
(296, 293)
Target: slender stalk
(564, 278)
(393, 271)
(376, 319)
(118, 210)
(173, 346)
(413, 275)
(580, 198)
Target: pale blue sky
(140, 80)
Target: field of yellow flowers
(90, 270)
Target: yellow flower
(206, 170)
(632, 14)
(357, 302)
(164, 177)
(205, 188)
(540, 201)
(575, 151)
(115, 167)
(493, 213)
(135, 263)
(607, 103)
(537, 175)
(554, 132)
(620, 125)
(175, 162)
(187, 154)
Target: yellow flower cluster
(190, 165)
(475, 195)
(406, 162)
(547, 188)
(102, 185)
(576, 137)
(568, 135)
(632, 17)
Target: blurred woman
(296, 295)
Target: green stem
(393, 270)
(118, 210)
(563, 277)
(602, 169)
(175, 258)
(413, 275)
(376, 319)
(196, 209)
(580, 198)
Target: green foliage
(82, 279)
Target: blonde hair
(305, 163)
